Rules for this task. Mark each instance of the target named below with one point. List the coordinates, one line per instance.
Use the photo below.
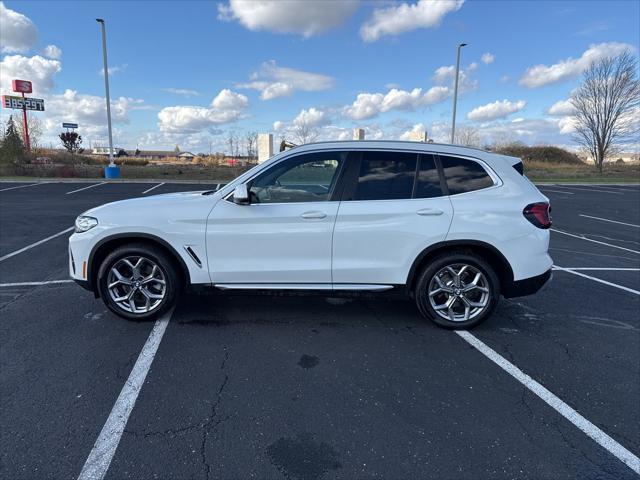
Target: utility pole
(455, 94)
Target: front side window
(386, 176)
(304, 178)
(464, 175)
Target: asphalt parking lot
(312, 387)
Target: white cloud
(487, 58)
(113, 70)
(307, 18)
(273, 81)
(405, 17)
(561, 107)
(52, 51)
(228, 106)
(540, 75)
(447, 73)
(368, 105)
(278, 125)
(17, 32)
(311, 117)
(38, 69)
(89, 111)
(417, 128)
(497, 109)
(185, 92)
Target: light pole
(112, 167)
(455, 94)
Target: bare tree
(232, 141)
(605, 104)
(304, 133)
(252, 142)
(468, 136)
(35, 130)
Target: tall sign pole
(106, 87)
(27, 143)
(455, 94)
(24, 86)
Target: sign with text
(22, 86)
(12, 101)
(69, 125)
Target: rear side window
(428, 185)
(519, 168)
(386, 176)
(464, 175)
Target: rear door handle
(313, 215)
(429, 212)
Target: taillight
(539, 214)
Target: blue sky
(188, 73)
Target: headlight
(85, 223)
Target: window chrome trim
(497, 181)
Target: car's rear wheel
(138, 281)
(457, 290)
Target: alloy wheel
(136, 284)
(459, 292)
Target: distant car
(452, 227)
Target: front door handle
(313, 215)
(429, 212)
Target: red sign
(22, 86)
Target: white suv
(452, 227)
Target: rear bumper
(528, 286)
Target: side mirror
(241, 195)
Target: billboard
(12, 101)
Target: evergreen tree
(11, 147)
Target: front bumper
(528, 286)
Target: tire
(464, 305)
(130, 268)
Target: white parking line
(97, 464)
(159, 185)
(39, 242)
(593, 432)
(21, 186)
(84, 188)
(612, 221)
(557, 191)
(594, 241)
(35, 284)
(594, 189)
(599, 280)
(604, 269)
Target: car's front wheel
(138, 281)
(457, 290)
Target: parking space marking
(599, 280)
(156, 186)
(97, 464)
(594, 241)
(604, 269)
(22, 186)
(593, 432)
(39, 242)
(557, 191)
(35, 284)
(607, 220)
(84, 188)
(594, 189)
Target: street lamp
(455, 93)
(111, 170)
